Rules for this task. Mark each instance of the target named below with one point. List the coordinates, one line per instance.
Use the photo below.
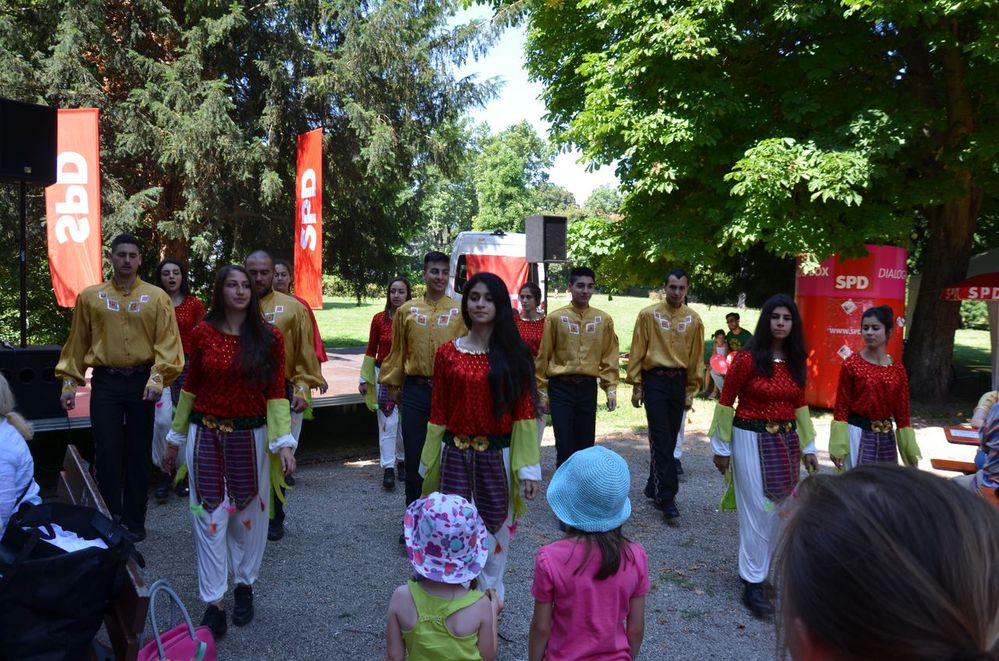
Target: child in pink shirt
(589, 588)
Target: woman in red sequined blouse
(189, 310)
(481, 440)
(390, 448)
(873, 390)
(531, 325)
(235, 421)
(762, 437)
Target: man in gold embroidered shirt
(301, 367)
(420, 326)
(578, 348)
(666, 368)
(125, 329)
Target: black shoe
(402, 539)
(756, 600)
(182, 489)
(163, 488)
(679, 467)
(242, 612)
(289, 480)
(671, 514)
(214, 619)
(134, 535)
(400, 471)
(649, 491)
(388, 480)
(275, 530)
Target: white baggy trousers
(390, 449)
(758, 522)
(230, 542)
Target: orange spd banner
(73, 207)
(309, 219)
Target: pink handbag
(179, 643)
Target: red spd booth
(832, 300)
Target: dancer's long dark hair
(762, 345)
(255, 358)
(185, 286)
(511, 365)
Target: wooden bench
(966, 467)
(126, 618)
(989, 494)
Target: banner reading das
(73, 207)
(309, 219)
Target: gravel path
(324, 588)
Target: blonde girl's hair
(892, 563)
(7, 411)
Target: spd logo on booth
(852, 282)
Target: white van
(497, 252)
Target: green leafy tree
(201, 104)
(811, 128)
(508, 172)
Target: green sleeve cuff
(182, 414)
(368, 374)
(806, 430)
(728, 501)
(907, 446)
(524, 451)
(431, 458)
(721, 423)
(278, 418)
(839, 439)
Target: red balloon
(719, 364)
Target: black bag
(52, 602)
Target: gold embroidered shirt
(578, 343)
(301, 367)
(668, 337)
(112, 328)
(418, 328)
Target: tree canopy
(810, 128)
(201, 103)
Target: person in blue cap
(589, 587)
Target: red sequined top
(530, 332)
(462, 399)
(380, 337)
(217, 389)
(875, 392)
(189, 314)
(761, 398)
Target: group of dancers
(461, 390)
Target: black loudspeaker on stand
(28, 146)
(546, 238)
(31, 375)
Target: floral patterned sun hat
(445, 538)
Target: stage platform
(342, 372)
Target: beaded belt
(124, 371)
(766, 426)
(227, 424)
(876, 426)
(574, 378)
(478, 443)
(671, 372)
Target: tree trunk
(929, 351)
(930, 347)
(175, 249)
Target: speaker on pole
(27, 143)
(30, 372)
(546, 238)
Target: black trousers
(665, 398)
(573, 404)
(122, 424)
(416, 396)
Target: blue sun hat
(445, 538)
(589, 492)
